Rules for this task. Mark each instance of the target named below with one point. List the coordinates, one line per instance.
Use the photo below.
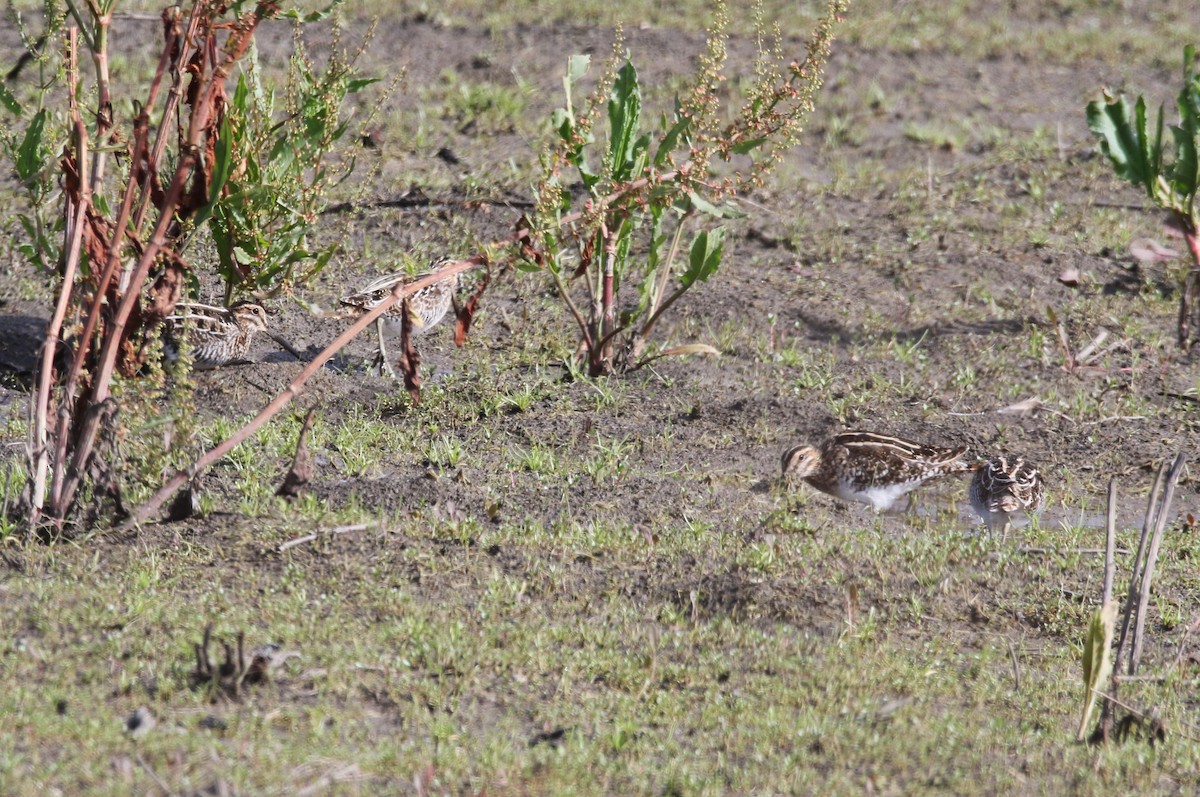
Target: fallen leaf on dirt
(1024, 407)
(302, 467)
(1148, 250)
(691, 348)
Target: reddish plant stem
(141, 128)
(89, 425)
(399, 293)
(1191, 284)
(74, 240)
(609, 320)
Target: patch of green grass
(488, 108)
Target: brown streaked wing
(886, 446)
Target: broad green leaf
(624, 116)
(1185, 171)
(1122, 133)
(241, 96)
(562, 122)
(577, 67)
(9, 101)
(222, 168)
(1097, 660)
(312, 16)
(705, 256)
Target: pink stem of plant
(158, 241)
(50, 345)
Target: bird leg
(381, 364)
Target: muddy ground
(901, 275)
(828, 272)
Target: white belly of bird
(880, 497)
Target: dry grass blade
(317, 534)
(1110, 542)
(1161, 518)
(1147, 525)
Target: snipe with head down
(1005, 485)
(871, 468)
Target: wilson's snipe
(871, 468)
(425, 308)
(1004, 485)
(218, 335)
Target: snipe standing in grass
(871, 468)
(425, 308)
(218, 335)
(1004, 485)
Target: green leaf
(223, 160)
(1184, 173)
(671, 139)
(705, 256)
(624, 117)
(312, 16)
(29, 153)
(1097, 660)
(1122, 133)
(9, 101)
(702, 205)
(747, 146)
(358, 84)
(577, 67)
